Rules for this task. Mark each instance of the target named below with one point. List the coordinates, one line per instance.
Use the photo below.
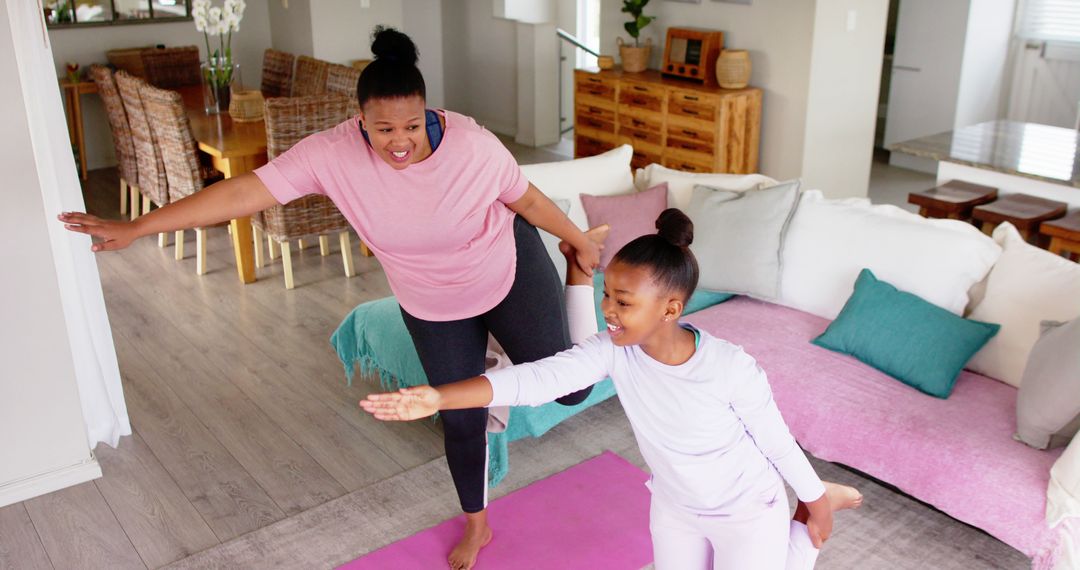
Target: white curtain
(90, 337)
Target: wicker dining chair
(310, 76)
(173, 67)
(121, 134)
(289, 119)
(343, 79)
(277, 73)
(153, 185)
(180, 155)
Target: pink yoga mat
(591, 516)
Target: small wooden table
(73, 100)
(235, 148)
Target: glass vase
(218, 79)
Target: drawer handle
(637, 122)
(690, 133)
(640, 88)
(688, 146)
(592, 80)
(690, 111)
(639, 101)
(596, 91)
(641, 136)
(690, 97)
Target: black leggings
(530, 324)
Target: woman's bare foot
(842, 497)
(574, 273)
(477, 535)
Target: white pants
(764, 540)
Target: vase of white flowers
(219, 72)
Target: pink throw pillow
(629, 215)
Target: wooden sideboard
(679, 124)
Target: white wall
(983, 72)
(777, 33)
(290, 28)
(45, 445)
(341, 29)
(841, 111)
(480, 62)
(423, 23)
(88, 45)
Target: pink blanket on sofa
(956, 454)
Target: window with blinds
(1050, 20)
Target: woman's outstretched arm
(228, 199)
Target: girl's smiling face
(635, 306)
(396, 127)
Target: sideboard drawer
(589, 84)
(691, 132)
(687, 163)
(643, 121)
(680, 97)
(601, 113)
(589, 122)
(590, 146)
(641, 136)
(645, 99)
(704, 148)
(642, 158)
(693, 110)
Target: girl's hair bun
(675, 227)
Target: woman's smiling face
(396, 127)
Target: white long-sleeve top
(708, 428)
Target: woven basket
(733, 68)
(246, 106)
(634, 59)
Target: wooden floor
(239, 406)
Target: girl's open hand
(405, 404)
(110, 234)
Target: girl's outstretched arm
(423, 401)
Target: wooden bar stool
(1064, 234)
(1024, 211)
(954, 199)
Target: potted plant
(635, 57)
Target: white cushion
(1028, 285)
(601, 175)
(681, 184)
(830, 241)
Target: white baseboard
(44, 483)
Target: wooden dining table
(235, 148)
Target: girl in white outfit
(701, 410)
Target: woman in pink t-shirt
(452, 220)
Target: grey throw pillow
(551, 243)
(738, 237)
(1048, 405)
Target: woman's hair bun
(393, 46)
(675, 227)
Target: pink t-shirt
(440, 227)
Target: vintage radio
(691, 53)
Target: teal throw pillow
(904, 336)
(700, 300)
